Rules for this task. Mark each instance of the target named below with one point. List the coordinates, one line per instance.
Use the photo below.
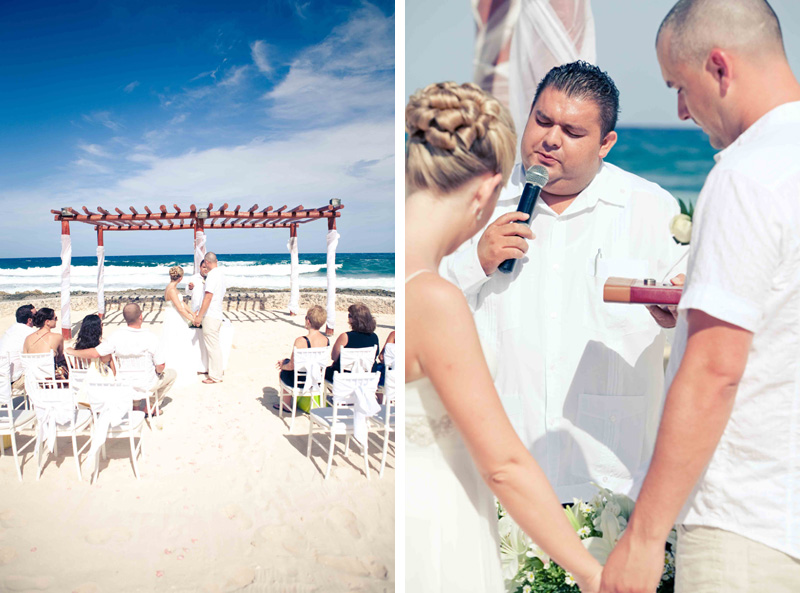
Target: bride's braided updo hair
(455, 133)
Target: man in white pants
(210, 317)
(726, 466)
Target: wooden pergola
(199, 220)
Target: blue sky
(132, 103)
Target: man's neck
(558, 203)
(137, 326)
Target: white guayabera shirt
(745, 270)
(581, 380)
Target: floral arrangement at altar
(599, 523)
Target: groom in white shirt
(726, 466)
(210, 317)
(581, 380)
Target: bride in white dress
(460, 152)
(181, 344)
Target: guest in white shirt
(133, 340)
(580, 379)
(726, 465)
(210, 317)
(12, 341)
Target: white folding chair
(355, 360)
(138, 371)
(309, 365)
(57, 415)
(388, 361)
(78, 367)
(383, 421)
(11, 420)
(353, 402)
(114, 417)
(41, 365)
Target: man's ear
(487, 189)
(608, 143)
(719, 65)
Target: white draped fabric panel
(294, 277)
(332, 241)
(101, 294)
(199, 250)
(66, 262)
(519, 41)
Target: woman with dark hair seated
(362, 335)
(44, 339)
(88, 344)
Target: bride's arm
(173, 297)
(443, 340)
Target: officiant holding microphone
(581, 380)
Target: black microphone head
(537, 175)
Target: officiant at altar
(581, 380)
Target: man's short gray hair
(210, 257)
(698, 26)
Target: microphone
(535, 179)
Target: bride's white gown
(452, 542)
(183, 347)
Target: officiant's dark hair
(90, 333)
(582, 80)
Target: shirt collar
(774, 118)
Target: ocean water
(677, 159)
(255, 271)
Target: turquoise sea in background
(676, 159)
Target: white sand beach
(227, 500)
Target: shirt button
(555, 267)
(552, 367)
(605, 479)
(613, 418)
(551, 423)
(553, 315)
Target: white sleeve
(105, 348)
(735, 250)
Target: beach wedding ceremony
(210, 408)
(601, 296)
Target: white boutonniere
(681, 225)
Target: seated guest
(381, 361)
(362, 335)
(315, 319)
(12, 342)
(89, 344)
(44, 339)
(133, 340)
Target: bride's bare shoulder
(432, 295)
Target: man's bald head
(210, 258)
(695, 27)
(131, 313)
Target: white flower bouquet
(599, 523)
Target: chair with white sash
(354, 360)
(383, 421)
(11, 420)
(114, 417)
(309, 366)
(41, 365)
(353, 403)
(138, 371)
(78, 367)
(388, 361)
(57, 415)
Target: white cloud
(258, 51)
(300, 9)
(349, 74)
(94, 150)
(234, 76)
(178, 119)
(104, 118)
(91, 166)
(129, 87)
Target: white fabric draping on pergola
(199, 250)
(101, 294)
(294, 277)
(66, 262)
(332, 240)
(519, 41)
